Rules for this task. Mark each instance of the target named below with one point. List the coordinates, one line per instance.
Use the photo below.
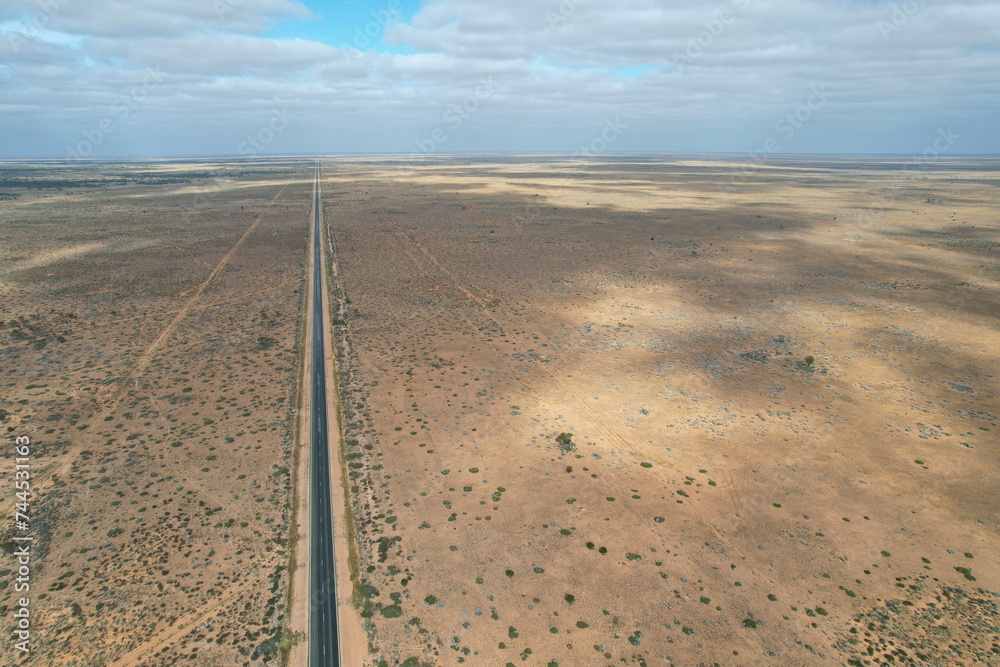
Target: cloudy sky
(103, 78)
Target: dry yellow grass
(722, 498)
(149, 343)
(779, 391)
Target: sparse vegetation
(497, 394)
(565, 441)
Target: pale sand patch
(52, 256)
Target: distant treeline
(56, 183)
(36, 179)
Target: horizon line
(418, 156)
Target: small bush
(566, 443)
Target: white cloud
(219, 54)
(140, 18)
(721, 81)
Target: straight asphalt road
(324, 639)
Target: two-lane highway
(324, 641)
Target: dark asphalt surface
(324, 644)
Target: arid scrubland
(149, 340)
(653, 411)
(635, 410)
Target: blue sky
(349, 24)
(107, 78)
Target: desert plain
(635, 409)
